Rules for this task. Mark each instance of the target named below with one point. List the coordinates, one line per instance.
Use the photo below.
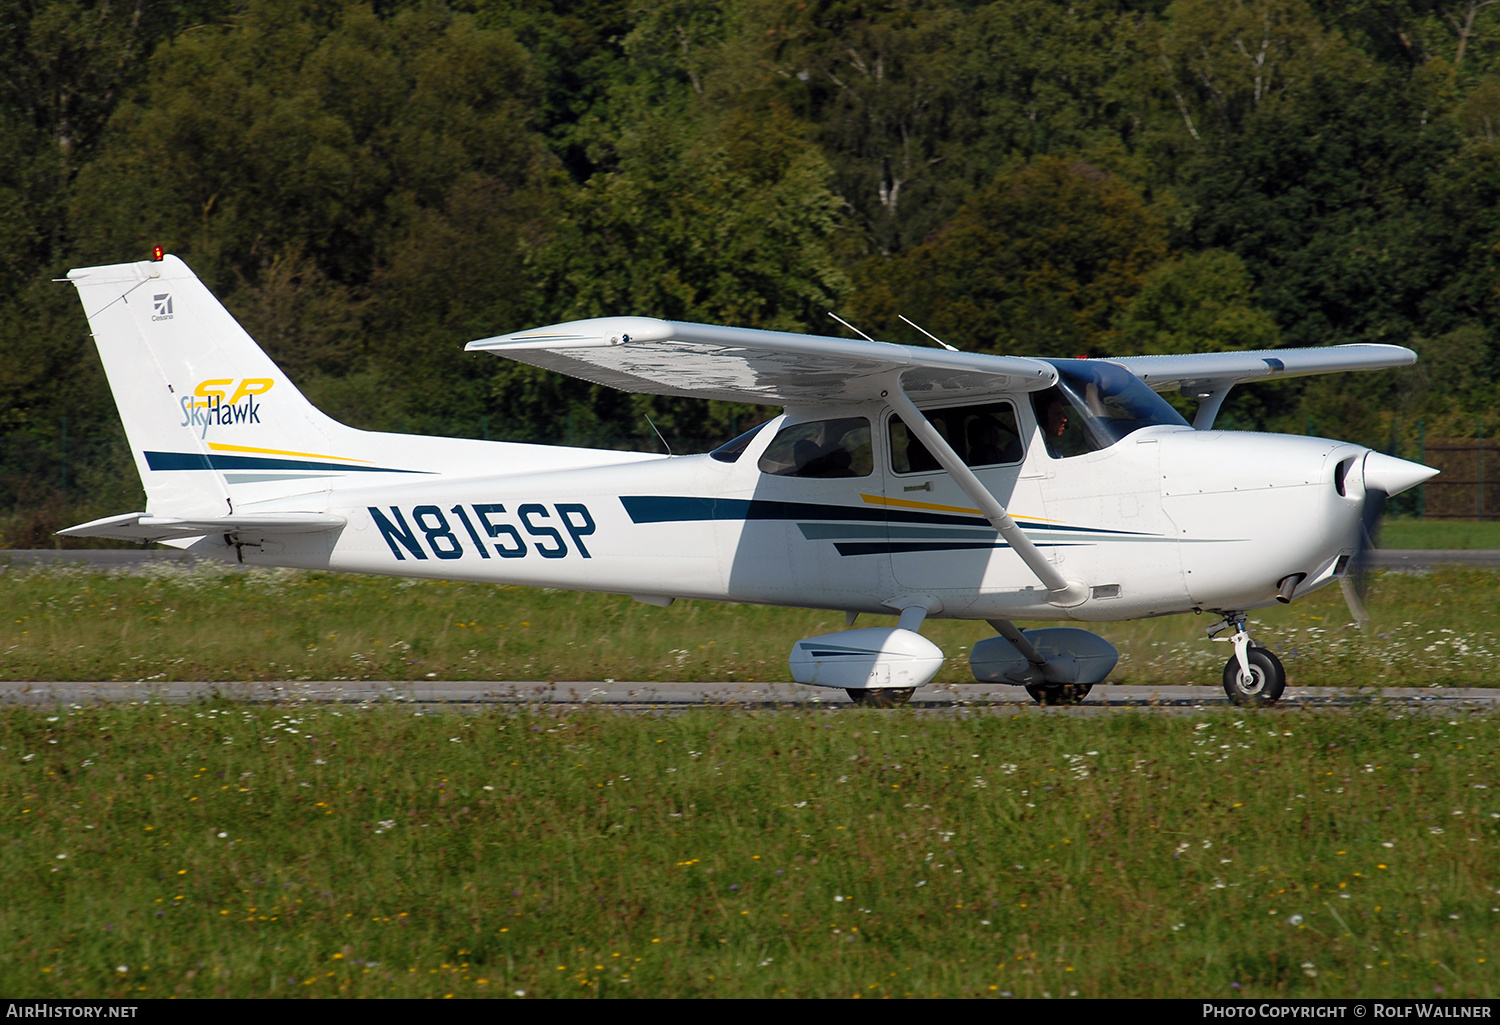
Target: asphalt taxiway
(646, 697)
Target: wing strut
(1064, 593)
(1208, 407)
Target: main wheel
(883, 697)
(1059, 693)
(1267, 679)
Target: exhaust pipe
(1288, 587)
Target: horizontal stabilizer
(143, 527)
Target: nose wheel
(1254, 676)
(1261, 685)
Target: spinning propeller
(1383, 476)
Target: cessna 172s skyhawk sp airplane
(901, 481)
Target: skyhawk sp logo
(161, 306)
(209, 406)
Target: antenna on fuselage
(928, 333)
(658, 433)
(850, 326)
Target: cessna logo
(161, 306)
(216, 402)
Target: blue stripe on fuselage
(200, 461)
(682, 509)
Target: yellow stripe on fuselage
(906, 503)
(218, 447)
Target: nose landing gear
(1254, 676)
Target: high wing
(660, 357)
(1208, 376)
(1209, 371)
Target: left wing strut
(1062, 592)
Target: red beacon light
(157, 253)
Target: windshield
(1094, 404)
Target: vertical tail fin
(204, 408)
(214, 425)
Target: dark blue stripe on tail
(200, 461)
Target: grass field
(240, 850)
(219, 850)
(1440, 534)
(172, 622)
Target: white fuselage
(1167, 520)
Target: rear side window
(984, 435)
(821, 449)
(731, 451)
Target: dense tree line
(368, 185)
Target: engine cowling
(871, 658)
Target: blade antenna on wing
(850, 326)
(926, 332)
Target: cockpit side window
(1063, 427)
(821, 449)
(984, 435)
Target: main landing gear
(1059, 693)
(883, 697)
(1254, 676)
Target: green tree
(728, 223)
(916, 105)
(1225, 62)
(66, 64)
(1200, 302)
(1043, 261)
(1327, 201)
(356, 185)
(1462, 35)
